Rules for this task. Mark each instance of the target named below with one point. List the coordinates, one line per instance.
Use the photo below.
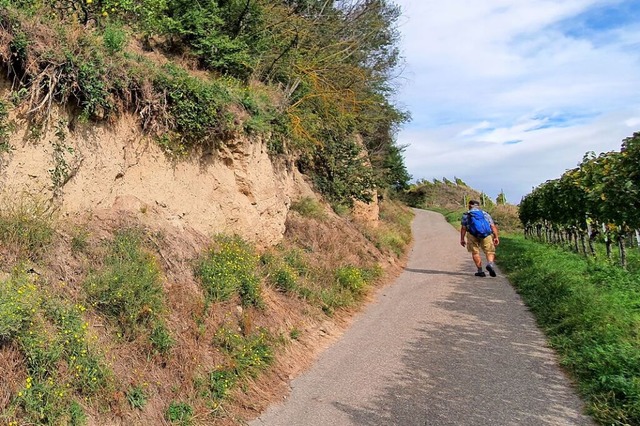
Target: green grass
(137, 397)
(179, 413)
(128, 290)
(393, 233)
(590, 311)
(308, 207)
(19, 297)
(229, 268)
(26, 226)
(49, 333)
(246, 356)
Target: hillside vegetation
(314, 78)
(118, 318)
(113, 316)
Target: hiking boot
(480, 274)
(492, 271)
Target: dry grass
(298, 327)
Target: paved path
(438, 347)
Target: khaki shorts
(474, 245)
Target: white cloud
(503, 98)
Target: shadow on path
(435, 272)
(490, 367)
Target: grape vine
(598, 199)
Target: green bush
(19, 300)
(26, 226)
(220, 382)
(137, 397)
(284, 279)
(197, 106)
(308, 207)
(230, 268)
(54, 336)
(5, 128)
(160, 338)
(127, 289)
(179, 412)
(115, 38)
(350, 278)
(249, 354)
(89, 372)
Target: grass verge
(591, 315)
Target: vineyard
(597, 201)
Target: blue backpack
(478, 225)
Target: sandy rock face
(236, 189)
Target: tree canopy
(326, 68)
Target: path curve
(437, 347)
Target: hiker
(481, 234)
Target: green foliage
(603, 188)
(393, 235)
(248, 354)
(279, 273)
(501, 199)
(341, 172)
(77, 416)
(79, 242)
(5, 128)
(136, 397)
(350, 278)
(205, 29)
(309, 207)
(590, 312)
(195, 104)
(49, 333)
(89, 374)
(26, 226)
(220, 383)
(114, 38)
(348, 287)
(229, 268)
(161, 339)
(179, 413)
(284, 278)
(61, 171)
(327, 71)
(295, 333)
(19, 298)
(127, 289)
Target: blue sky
(506, 94)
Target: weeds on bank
(128, 291)
(393, 234)
(179, 413)
(590, 312)
(26, 226)
(246, 357)
(290, 272)
(137, 397)
(6, 128)
(61, 364)
(229, 268)
(308, 207)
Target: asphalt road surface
(437, 347)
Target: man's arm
(494, 230)
(463, 232)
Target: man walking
(481, 234)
